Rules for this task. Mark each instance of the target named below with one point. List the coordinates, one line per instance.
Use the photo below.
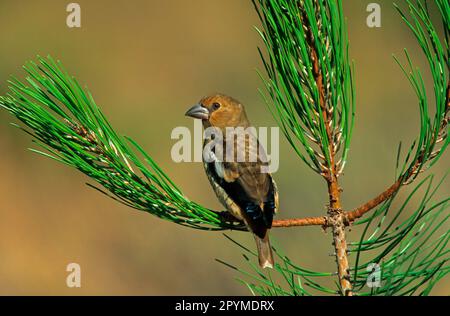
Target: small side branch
(309, 221)
(370, 205)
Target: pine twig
(308, 221)
(336, 218)
(370, 205)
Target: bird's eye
(216, 106)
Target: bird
(245, 189)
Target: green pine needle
(70, 128)
(291, 30)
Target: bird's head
(219, 111)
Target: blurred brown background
(146, 62)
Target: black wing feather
(259, 219)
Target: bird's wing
(246, 185)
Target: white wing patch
(219, 168)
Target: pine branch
(310, 84)
(408, 240)
(308, 221)
(304, 53)
(410, 252)
(335, 215)
(438, 59)
(69, 126)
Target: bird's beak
(198, 112)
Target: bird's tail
(265, 255)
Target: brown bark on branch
(308, 221)
(336, 218)
(370, 205)
(363, 209)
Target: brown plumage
(247, 192)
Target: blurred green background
(146, 62)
